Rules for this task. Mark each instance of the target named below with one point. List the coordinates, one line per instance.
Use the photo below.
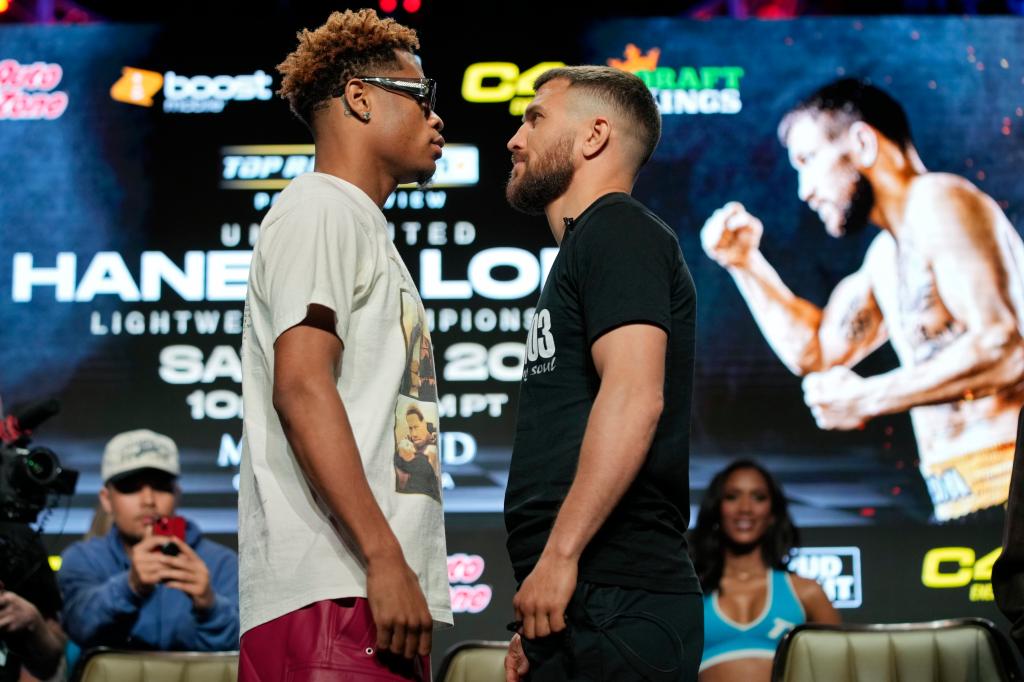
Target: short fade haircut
(846, 101)
(621, 89)
(348, 45)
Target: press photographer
(31, 638)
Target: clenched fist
(731, 235)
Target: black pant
(1008, 572)
(620, 634)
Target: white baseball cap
(140, 449)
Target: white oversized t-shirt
(325, 242)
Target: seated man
(136, 589)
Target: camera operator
(31, 639)
(139, 589)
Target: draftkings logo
(190, 94)
(684, 89)
(837, 569)
(959, 567)
(28, 91)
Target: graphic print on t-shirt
(417, 460)
(540, 346)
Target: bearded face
(829, 181)
(536, 182)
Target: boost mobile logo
(137, 86)
(687, 89)
(190, 94)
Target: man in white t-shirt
(343, 568)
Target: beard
(550, 177)
(858, 209)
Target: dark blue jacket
(100, 608)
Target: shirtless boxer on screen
(942, 282)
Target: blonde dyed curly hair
(349, 44)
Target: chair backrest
(961, 650)
(112, 665)
(474, 661)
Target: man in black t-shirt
(597, 502)
(30, 636)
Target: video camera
(29, 476)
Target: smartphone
(170, 525)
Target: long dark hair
(707, 541)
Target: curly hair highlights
(707, 541)
(349, 44)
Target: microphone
(19, 424)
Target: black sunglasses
(133, 482)
(423, 90)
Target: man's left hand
(188, 573)
(541, 602)
(837, 399)
(17, 614)
(516, 663)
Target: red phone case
(170, 525)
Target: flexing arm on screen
(630, 361)
(307, 358)
(805, 337)
(976, 349)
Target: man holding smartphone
(153, 582)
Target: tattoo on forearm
(928, 342)
(857, 321)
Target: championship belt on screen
(968, 483)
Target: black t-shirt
(25, 570)
(618, 264)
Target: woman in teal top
(740, 546)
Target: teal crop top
(727, 640)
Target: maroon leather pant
(327, 640)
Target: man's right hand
(731, 235)
(148, 563)
(18, 615)
(404, 624)
(516, 663)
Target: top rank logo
(686, 89)
(190, 94)
(27, 91)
